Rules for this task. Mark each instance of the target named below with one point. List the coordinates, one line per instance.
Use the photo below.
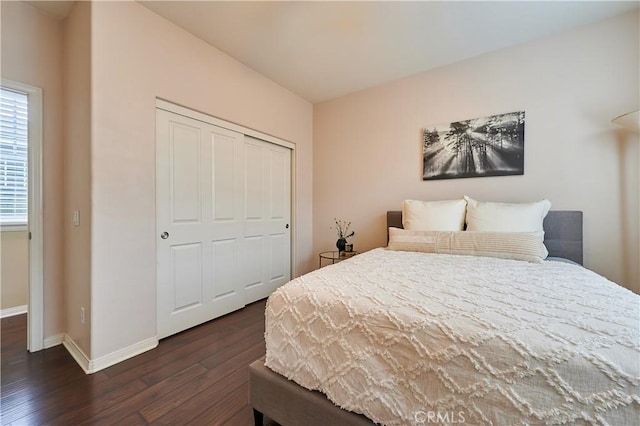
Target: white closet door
(199, 222)
(267, 231)
(223, 220)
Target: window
(14, 160)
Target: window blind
(14, 162)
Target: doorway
(21, 191)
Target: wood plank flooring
(197, 377)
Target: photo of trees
(487, 146)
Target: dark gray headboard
(562, 232)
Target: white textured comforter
(415, 338)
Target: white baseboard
(122, 354)
(94, 365)
(76, 353)
(10, 312)
(54, 340)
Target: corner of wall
(77, 188)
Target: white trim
(11, 312)
(196, 115)
(122, 354)
(54, 340)
(72, 347)
(293, 267)
(91, 366)
(35, 319)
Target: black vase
(341, 244)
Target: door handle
(287, 226)
(164, 235)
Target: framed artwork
(487, 146)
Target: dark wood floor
(197, 377)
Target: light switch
(76, 218)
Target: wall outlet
(82, 315)
(76, 218)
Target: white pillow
(506, 217)
(526, 246)
(434, 215)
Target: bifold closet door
(267, 231)
(199, 221)
(223, 220)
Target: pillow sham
(527, 246)
(506, 217)
(445, 215)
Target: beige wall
(367, 145)
(14, 268)
(32, 54)
(138, 56)
(77, 153)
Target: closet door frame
(190, 113)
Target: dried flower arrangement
(342, 228)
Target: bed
(578, 356)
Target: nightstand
(335, 256)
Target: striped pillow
(527, 246)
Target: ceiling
(325, 49)
(57, 9)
